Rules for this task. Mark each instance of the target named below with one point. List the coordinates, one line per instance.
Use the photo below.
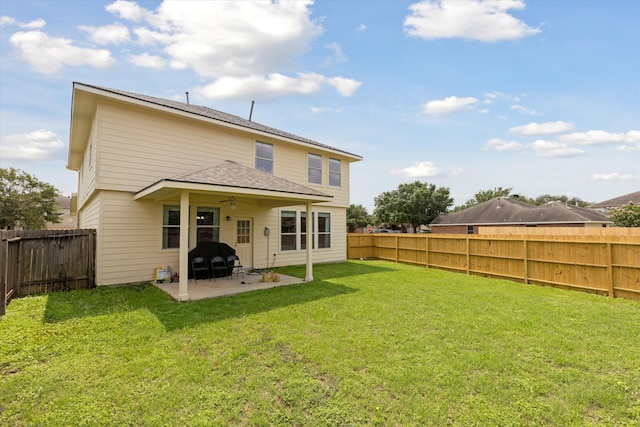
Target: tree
(485, 195)
(414, 203)
(545, 198)
(25, 201)
(626, 215)
(357, 217)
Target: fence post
(3, 277)
(526, 260)
(468, 254)
(426, 242)
(396, 248)
(612, 293)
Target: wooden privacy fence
(607, 265)
(37, 261)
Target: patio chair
(238, 268)
(199, 268)
(218, 264)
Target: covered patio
(237, 183)
(204, 289)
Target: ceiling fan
(231, 200)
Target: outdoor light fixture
(232, 205)
(228, 218)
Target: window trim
(302, 237)
(294, 233)
(337, 173)
(264, 159)
(311, 168)
(166, 209)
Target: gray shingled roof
(218, 115)
(619, 201)
(509, 211)
(232, 174)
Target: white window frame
(312, 170)
(335, 174)
(261, 161)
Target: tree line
(418, 203)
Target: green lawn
(367, 343)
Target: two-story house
(157, 177)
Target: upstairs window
(264, 157)
(314, 163)
(335, 173)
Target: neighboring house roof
(63, 202)
(505, 211)
(190, 109)
(231, 177)
(618, 201)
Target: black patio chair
(218, 264)
(199, 268)
(234, 264)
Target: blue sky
(539, 96)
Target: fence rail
(607, 265)
(37, 261)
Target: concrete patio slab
(203, 289)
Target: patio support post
(310, 227)
(183, 284)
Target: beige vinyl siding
(291, 164)
(89, 217)
(88, 172)
(140, 147)
(130, 240)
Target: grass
(367, 343)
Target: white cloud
(344, 86)
(128, 10)
(628, 148)
(553, 149)
(361, 27)
(38, 145)
(7, 20)
(613, 176)
(336, 54)
(548, 128)
(245, 48)
(502, 145)
(524, 110)
(274, 84)
(148, 61)
(32, 25)
(229, 39)
(593, 137)
(48, 55)
(107, 34)
(317, 110)
(487, 21)
(451, 104)
(418, 170)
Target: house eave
(166, 189)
